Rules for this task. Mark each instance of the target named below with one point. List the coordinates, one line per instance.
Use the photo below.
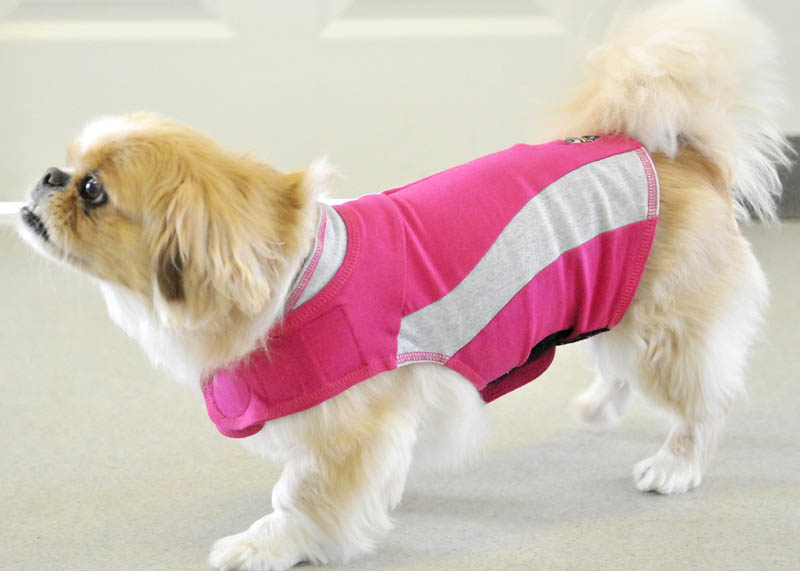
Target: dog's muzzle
(54, 180)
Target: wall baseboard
(789, 207)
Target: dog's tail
(696, 72)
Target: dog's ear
(169, 275)
(212, 255)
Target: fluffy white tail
(695, 72)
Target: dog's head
(162, 210)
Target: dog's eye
(92, 192)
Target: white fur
(702, 72)
(102, 129)
(163, 346)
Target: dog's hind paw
(602, 404)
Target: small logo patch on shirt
(584, 139)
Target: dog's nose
(54, 178)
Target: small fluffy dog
(197, 251)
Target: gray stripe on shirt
(570, 211)
(333, 250)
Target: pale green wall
(385, 111)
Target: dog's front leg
(332, 502)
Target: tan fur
(206, 229)
(698, 255)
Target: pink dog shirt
(483, 268)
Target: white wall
(390, 90)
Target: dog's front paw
(666, 473)
(267, 546)
(250, 552)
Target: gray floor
(105, 464)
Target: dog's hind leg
(604, 402)
(683, 342)
(690, 367)
(695, 370)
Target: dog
(199, 253)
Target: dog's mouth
(32, 221)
